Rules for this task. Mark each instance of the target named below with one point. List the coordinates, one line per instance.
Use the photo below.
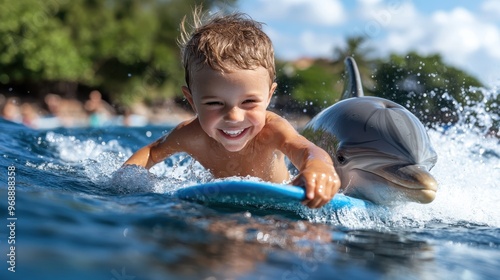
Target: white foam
(70, 149)
(467, 172)
(469, 189)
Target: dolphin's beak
(414, 181)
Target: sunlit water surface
(75, 221)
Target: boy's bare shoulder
(184, 133)
(277, 123)
(188, 126)
(274, 119)
(180, 139)
(277, 126)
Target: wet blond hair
(224, 43)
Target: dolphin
(381, 151)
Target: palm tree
(356, 48)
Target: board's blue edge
(257, 193)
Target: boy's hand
(321, 183)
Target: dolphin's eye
(341, 159)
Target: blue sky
(465, 32)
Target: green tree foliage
(34, 46)
(428, 87)
(357, 48)
(312, 85)
(127, 49)
(307, 86)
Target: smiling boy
(230, 72)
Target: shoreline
(57, 112)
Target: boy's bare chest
(266, 164)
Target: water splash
(467, 172)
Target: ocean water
(72, 217)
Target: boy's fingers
(315, 203)
(311, 186)
(328, 192)
(332, 188)
(319, 189)
(308, 184)
(310, 204)
(300, 181)
(325, 190)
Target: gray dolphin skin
(381, 151)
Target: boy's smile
(234, 134)
(231, 106)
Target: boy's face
(231, 107)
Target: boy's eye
(213, 103)
(249, 101)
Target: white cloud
(466, 38)
(491, 7)
(307, 24)
(318, 12)
(321, 44)
(463, 38)
(397, 25)
(492, 40)
(369, 2)
(456, 34)
(306, 43)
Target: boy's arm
(316, 170)
(162, 148)
(144, 157)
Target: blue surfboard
(259, 194)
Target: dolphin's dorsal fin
(352, 83)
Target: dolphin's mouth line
(399, 183)
(402, 183)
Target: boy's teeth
(233, 132)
